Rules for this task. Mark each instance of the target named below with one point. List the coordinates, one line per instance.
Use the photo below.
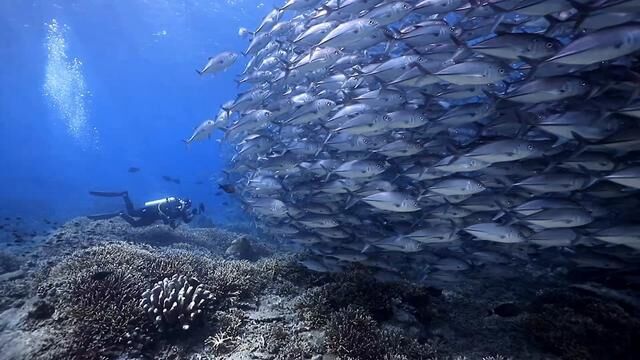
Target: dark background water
(138, 59)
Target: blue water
(67, 128)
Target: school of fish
(453, 134)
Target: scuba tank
(159, 202)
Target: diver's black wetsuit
(169, 211)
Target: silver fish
(392, 201)
(220, 62)
(202, 132)
(496, 233)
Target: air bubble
(65, 88)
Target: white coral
(178, 301)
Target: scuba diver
(170, 210)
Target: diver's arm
(165, 219)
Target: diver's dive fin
(108, 193)
(104, 216)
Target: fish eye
(530, 147)
(584, 83)
(372, 22)
(420, 59)
(406, 6)
(549, 45)
(501, 70)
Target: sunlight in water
(65, 87)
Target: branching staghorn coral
(174, 302)
(351, 332)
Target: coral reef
(366, 319)
(41, 310)
(576, 326)
(13, 293)
(361, 289)
(229, 326)
(351, 332)
(94, 303)
(298, 347)
(84, 233)
(354, 288)
(178, 301)
(125, 295)
(97, 292)
(9, 262)
(235, 280)
(241, 249)
(104, 315)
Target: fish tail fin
(352, 199)
(533, 65)
(552, 164)
(320, 149)
(286, 64)
(502, 213)
(493, 97)
(227, 111)
(285, 72)
(287, 188)
(419, 220)
(581, 7)
(636, 92)
(496, 23)
(366, 249)
(458, 42)
(391, 33)
(423, 193)
(328, 9)
(326, 140)
(505, 181)
(553, 22)
(358, 70)
(592, 179)
(583, 144)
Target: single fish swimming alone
(220, 62)
(202, 132)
